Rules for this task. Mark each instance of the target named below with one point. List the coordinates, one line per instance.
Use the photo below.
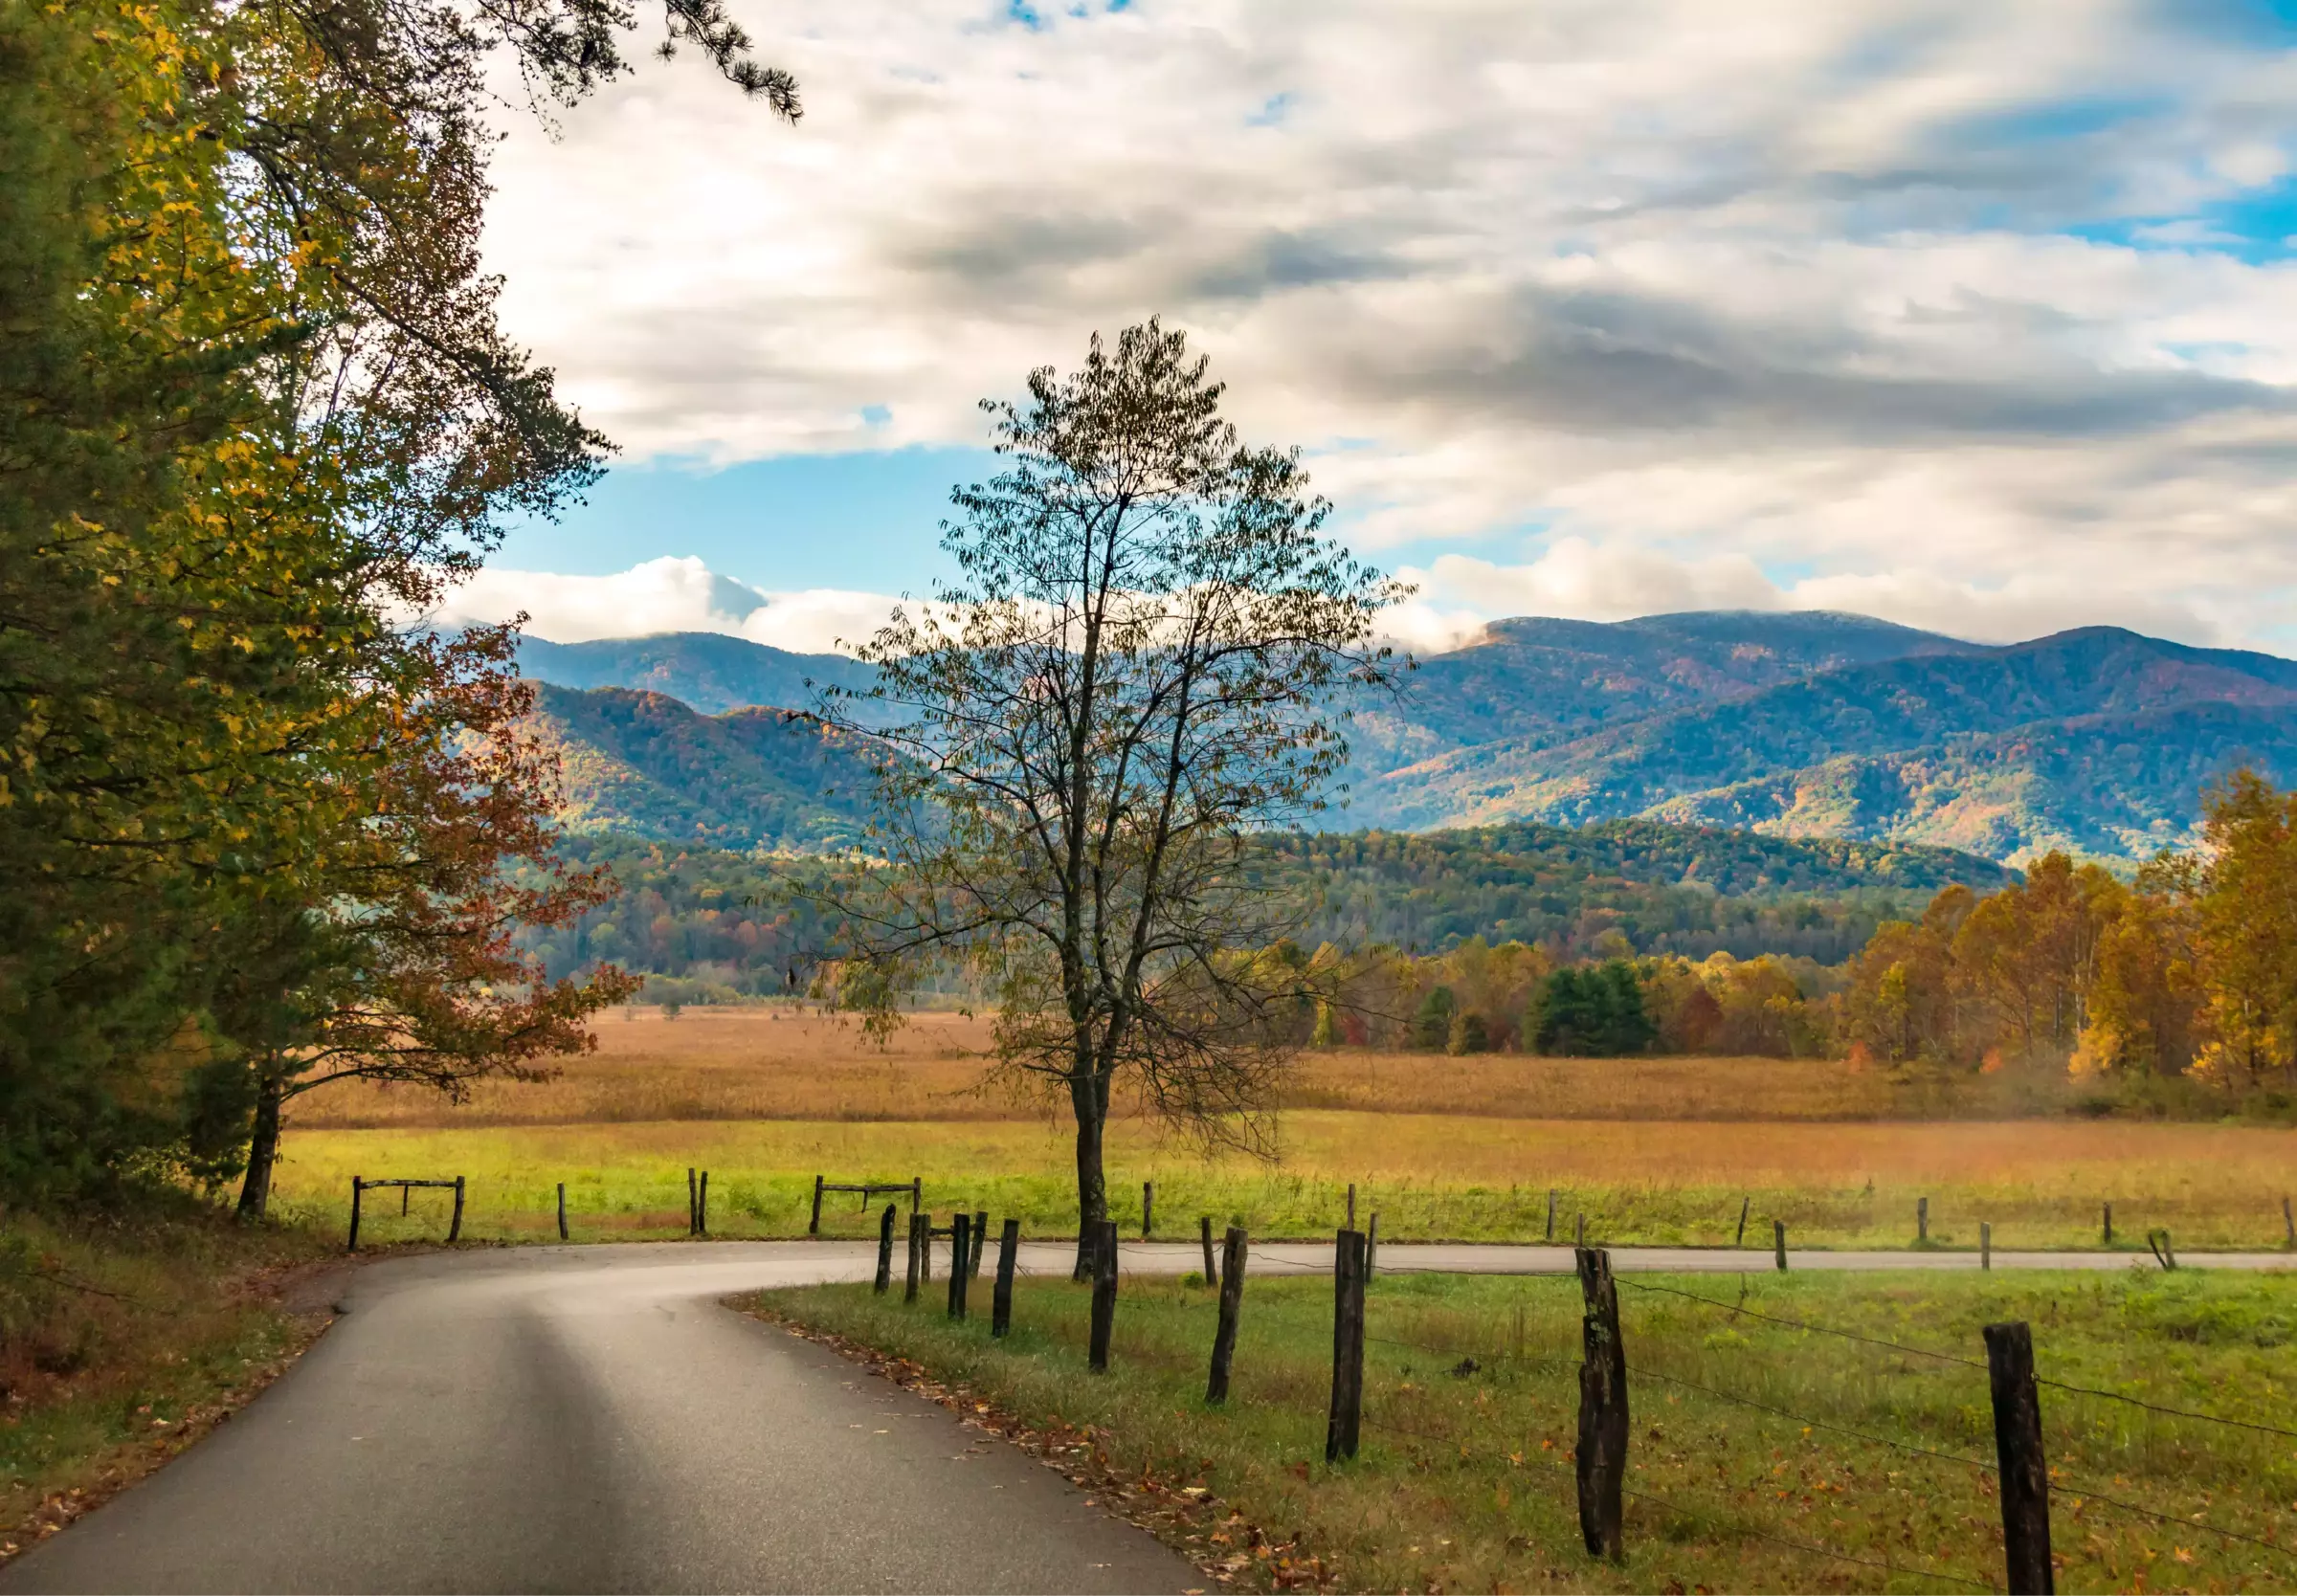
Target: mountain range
(1814, 724)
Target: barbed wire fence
(2019, 1476)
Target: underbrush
(123, 1335)
(1766, 1455)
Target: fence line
(1966, 1363)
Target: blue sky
(1977, 317)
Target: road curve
(574, 1418)
(590, 1418)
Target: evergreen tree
(1432, 1025)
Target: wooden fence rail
(361, 1185)
(915, 1187)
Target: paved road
(589, 1418)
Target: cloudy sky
(1976, 315)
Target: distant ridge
(706, 671)
(1798, 725)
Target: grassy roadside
(1429, 1177)
(125, 1338)
(1464, 1480)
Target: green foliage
(1433, 1022)
(1666, 889)
(1594, 1010)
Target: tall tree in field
(1138, 669)
(2242, 903)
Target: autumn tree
(2241, 899)
(410, 971)
(1139, 670)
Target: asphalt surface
(590, 1418)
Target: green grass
(1464, 1480)
(1430, 1178)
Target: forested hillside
(641, 764)
(724, 921)
(2098, 741)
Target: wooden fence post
(357, 1187)
(979, 1244)
(2165, 1251)
(1579, 1229)
(1745, 1203)
(2109, 1241)
(455, 1225)
(1000, 1305)
(1778, 1240)
(1985, 1245)
(961, 1228)
(814, 1225)
(701, 1206)
(1602, 1452)
(406, 1200)
(1372, 1246)
(689, 1201)
(917, 1244)
(917, 1193)
(885, 1280)
(1550, 1213)
(1922, 1221)
(1212, 1270)
(1352, 1204)
(2288, 1223)
(1104, 1291)
(1343, 1427)
(562, 1211)
(2025, 1471)
(1147, 1208)
(1232, 1307)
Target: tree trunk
(1090, 1098)
(262, 1150)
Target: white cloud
(668, 594)
(1702, 290)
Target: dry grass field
(783, 1063)
(1650, 1150)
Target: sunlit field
(1763, 1456)
(776, 1062)
(1430, 1178)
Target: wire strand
(1815, 1423)
(1966, 1363)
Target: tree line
(2188, 973)
(258, 826)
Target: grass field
(1431, 1177)
(1651, 1150)
(1464, 1481)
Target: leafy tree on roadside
(1139, 670)
(413, 972)
(256, 413)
